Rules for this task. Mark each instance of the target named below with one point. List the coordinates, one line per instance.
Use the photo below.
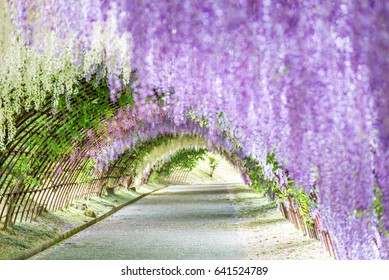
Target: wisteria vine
(302, 80)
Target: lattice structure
(37, 169)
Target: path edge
(47, 244)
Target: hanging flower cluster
(48, 47)
(302, 80)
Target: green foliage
(126, 99)
(201, 120)
(259, 182)
(85, 174)
(288, 193)
(186, 159)
(304, 203)
(130, 161)
(378, 206)
(49, 137)
(213, 163)
(154, 178)
(271, 159)
(377, 202)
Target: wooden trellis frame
(56, 190)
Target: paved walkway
(179, 222)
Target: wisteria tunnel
(295, 94)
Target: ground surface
(212, 221)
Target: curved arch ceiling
(301, 83)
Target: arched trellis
(39, 170)
(37, 174)
(130, 170)
(36, 177)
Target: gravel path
(179, 222)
